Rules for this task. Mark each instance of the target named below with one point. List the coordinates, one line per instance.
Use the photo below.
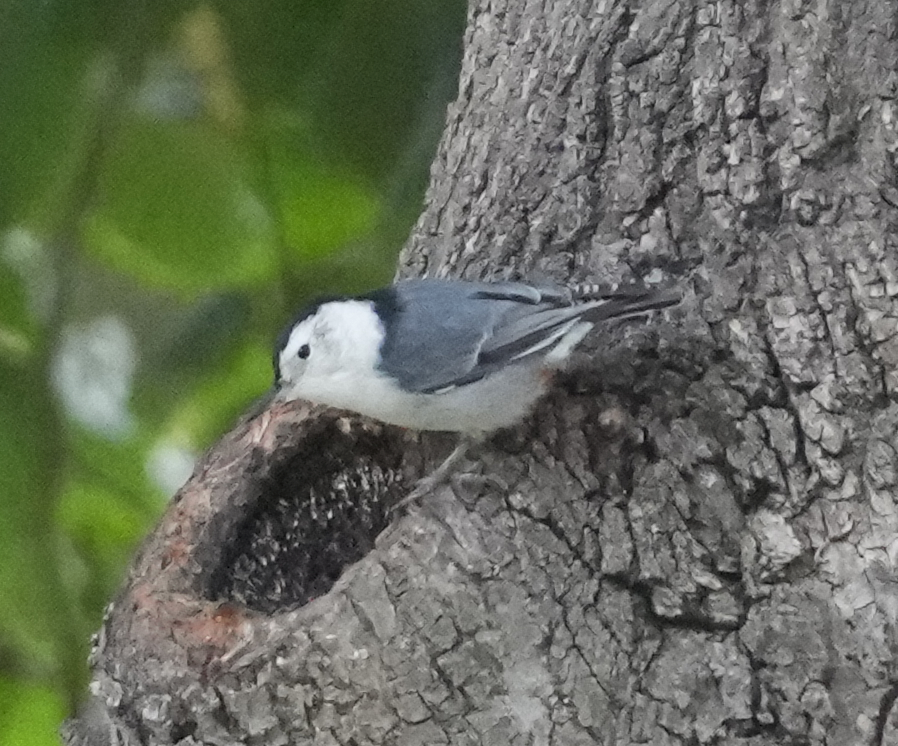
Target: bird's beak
(268, 400)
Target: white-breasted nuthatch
(431, 354)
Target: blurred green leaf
(57, 57)
(42, 90)
(107, 505)
(365, 73)
(17, 328)
(177, 211)
(105, 527)
(203, 335)
(32, 607)
(275, 42)
(117, 466)
(222, 396)
(323, 205)
(30, 714)
(383, 67)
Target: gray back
(462, 331)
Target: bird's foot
(440, 476)
(423, 487)
(466, 485)
(469, 482)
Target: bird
(445, 355)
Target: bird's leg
(440, 475)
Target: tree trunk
(695, 540)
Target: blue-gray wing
(529, 330)
(461, 331)
(439, 344)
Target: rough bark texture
(699, 536)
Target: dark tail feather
(626, 303)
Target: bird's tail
(622, 304)
(619, 304)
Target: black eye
(303, 352)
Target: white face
(294, 358)
(330, 356)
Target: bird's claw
(471, 481)
(463, 481)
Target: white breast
(500, 400)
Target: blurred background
(175, 180)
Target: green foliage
(28, 444)
(29, 713)
(17, 327)
(176, 179)
(41, 82)
(321, 204)
(175, 210)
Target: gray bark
(695, 541)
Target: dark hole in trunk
(321, 507)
